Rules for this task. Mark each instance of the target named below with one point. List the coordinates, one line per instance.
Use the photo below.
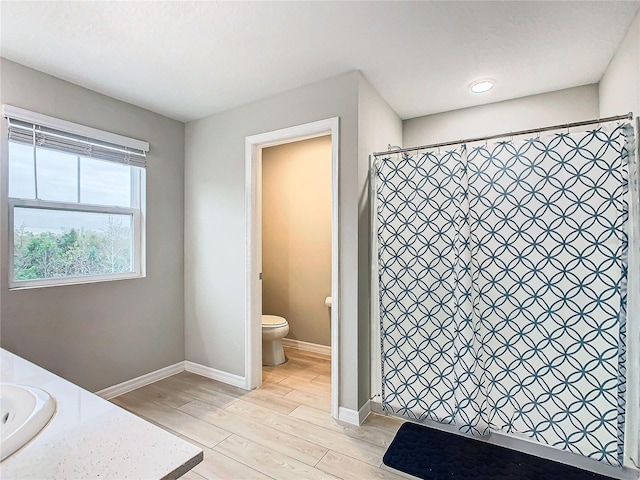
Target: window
(76, 202)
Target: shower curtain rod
(628, 116)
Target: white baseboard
(364, 412)
(351, 416)
(151, 377)
(215, 374)
(306, 346)
(348, 416)
(138, 382)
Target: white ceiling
(187, 60)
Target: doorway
(253, 190)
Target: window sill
(62, 282)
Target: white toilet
(274, 328)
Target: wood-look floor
(283, 430)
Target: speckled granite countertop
(89, 437)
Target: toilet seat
(273, 321)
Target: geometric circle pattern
(502, 287)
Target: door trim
(253, 306)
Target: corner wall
(619, 94)
(215, 251)
(378, 126)
(100, 334)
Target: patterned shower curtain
(502, 287)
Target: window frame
(137, 211)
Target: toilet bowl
(274, 328)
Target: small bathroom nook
(296, 251)
(293, 285)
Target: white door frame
(253, 193)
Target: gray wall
(215, 219)
(619, 94)
(562, 106)
(378, 126)
(101, 334)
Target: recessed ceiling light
(481, 86)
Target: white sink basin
(25, 411)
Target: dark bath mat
(435, 455)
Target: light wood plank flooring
(283, 430)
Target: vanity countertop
(89, 437)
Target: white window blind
(32, 128)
